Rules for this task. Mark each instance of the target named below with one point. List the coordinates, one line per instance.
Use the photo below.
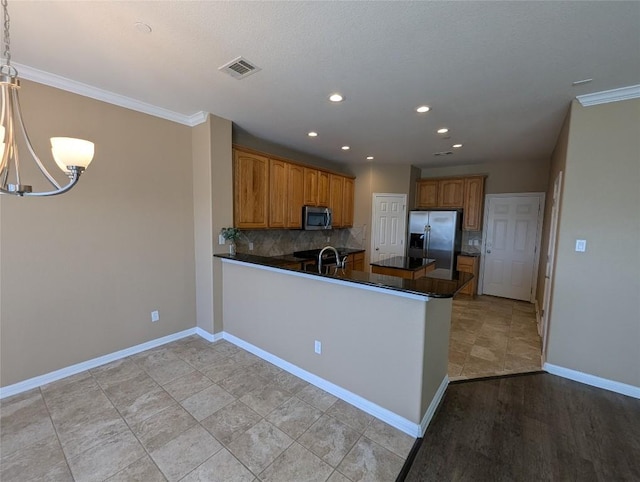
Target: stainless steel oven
(316, 218)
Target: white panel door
(388, 226)
(510, 246)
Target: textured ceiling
(498, 74)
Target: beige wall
(379, 178)
(80, 273)
(595, 317)
(366, 347)
(558, 164)
(502, 177)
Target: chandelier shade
(71, 155)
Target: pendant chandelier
(71, 155)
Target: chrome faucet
(339, 262)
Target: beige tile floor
(492, 336)
(192, 411)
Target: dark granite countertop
(473, 255)
(404, 263)
(436, 284)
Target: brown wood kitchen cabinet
(347, 202)
(473, 202)
(295, 196)
(310, 190)
(454, 193)
(336, 198)
(269, 192)
(277, 193)
(427, 194)
(250, 190)
(469, 264)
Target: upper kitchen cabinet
(251, 190)
(450, 193)
(323, 188)
(295, 195)
(277, 193)
(336, 198)
(473, 201)
(466, 193)
(347, 202)
(310, 186)
(427, 194)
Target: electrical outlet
(221, 239)
(318, 347)
(250, 246)
(581, 245)
(155, 316)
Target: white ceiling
(498, 74)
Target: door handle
(488, 251)
(377, 249)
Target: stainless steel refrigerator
(435, 234)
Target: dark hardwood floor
(533, 427)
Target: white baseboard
(387, 416)
(35, 382)
(592, 380)
(208, 336)
(431, 410)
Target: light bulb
(68, 151)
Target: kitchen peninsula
(378, 342)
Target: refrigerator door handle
(427, 230)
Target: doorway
(388, 226)
(511, 240)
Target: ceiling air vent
(443, 153)
(239, 68)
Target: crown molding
(59, 82)
(606, 96)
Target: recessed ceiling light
(369, 158)
(336, 97)
(423, 108)
(580, 82)
(444, 130)
(142, 27)
(456, 146)
(312, 134)
(345, 148)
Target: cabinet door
(277, 193)
(469, 264)
(427, 194)
(336, 195)
(450, 193)
(251, 190)
(310, 187)
(473, 201)
(323, 189)
(295, 195)
(358, 262)
(347, 204)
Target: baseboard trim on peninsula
(387, 416)
(208, 336)
(38, 381)
(593, 380)
(433, 406)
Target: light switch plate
(221, 239)
(581, 245)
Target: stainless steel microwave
(316, 218)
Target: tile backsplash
(472, 241)
(276, 242)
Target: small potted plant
(231, 234)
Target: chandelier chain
(6, 54)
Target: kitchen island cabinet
(392, 367)
(404, 267)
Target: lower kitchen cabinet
(469, 264)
